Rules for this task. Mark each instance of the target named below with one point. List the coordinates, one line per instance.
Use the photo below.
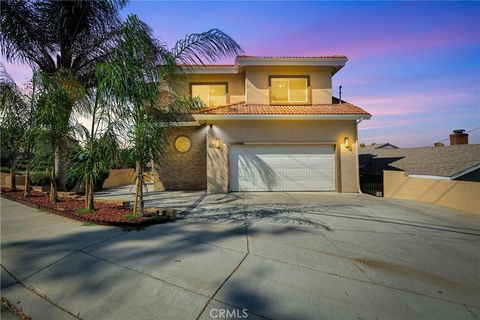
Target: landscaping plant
(100, 147)
(12, 122)
(60, 36)
(55, 128)
(133, 74)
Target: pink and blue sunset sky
(414, 65)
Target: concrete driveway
(276, 255)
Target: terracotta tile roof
(296, 57)
(243, 108)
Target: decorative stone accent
(176, 170)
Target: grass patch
(81, 211)
(131, 217)
(89, 224)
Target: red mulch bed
(104, 214)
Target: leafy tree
(29, 133)
(101, 144)
(12, 123)
(132, 75)
(54, 36)
(54, 128)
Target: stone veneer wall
(182, 171)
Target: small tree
(133, 73)
(12, 122)
(100, 144)
(29, 133)
(54, 127)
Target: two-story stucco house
(270, 125)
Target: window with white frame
(289, 90)
(211, 94)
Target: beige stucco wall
(461, 195)
(237, 132)
(257, 82)
(119, 177)
(236, 85)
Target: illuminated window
(290, 90)
(211, 94)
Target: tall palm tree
(54, 35)
(131, 76)
(12, 106)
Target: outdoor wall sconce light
(346, 141)
(216, 143)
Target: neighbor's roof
(268, 109)
(374, 146)
(446, 161)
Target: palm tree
(132, 74)
(54, 128)
(12, 122)
(54, 35)
(100, 147)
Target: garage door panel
(271, 159)
(295, 159)
(326, 173)
(321, 160)
(282, 168)
(321, 185)
(301, 172)
(295, 185)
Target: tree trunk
(138, 203)
(28, 190)
(60, 167)
(91, 205)
(13, 182)
(86, 186)
(53, 185)
(140, 198)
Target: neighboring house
(270, 125)
(454, 162)
(443, 175)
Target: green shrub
(98, 183)
(130, 217)
(40, 178)
(4, 169)
(74, 178)
(81, 211)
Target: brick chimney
(458, 137)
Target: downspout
(356, 150)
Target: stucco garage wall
(238, 132)
(461, 195)
(182, 171)
(258, 90)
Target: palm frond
(210, 46)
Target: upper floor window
(214, 94)
(289, 90)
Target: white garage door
(282, 168)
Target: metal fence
(371, 182)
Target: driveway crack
(41, 295)
(236, 268)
